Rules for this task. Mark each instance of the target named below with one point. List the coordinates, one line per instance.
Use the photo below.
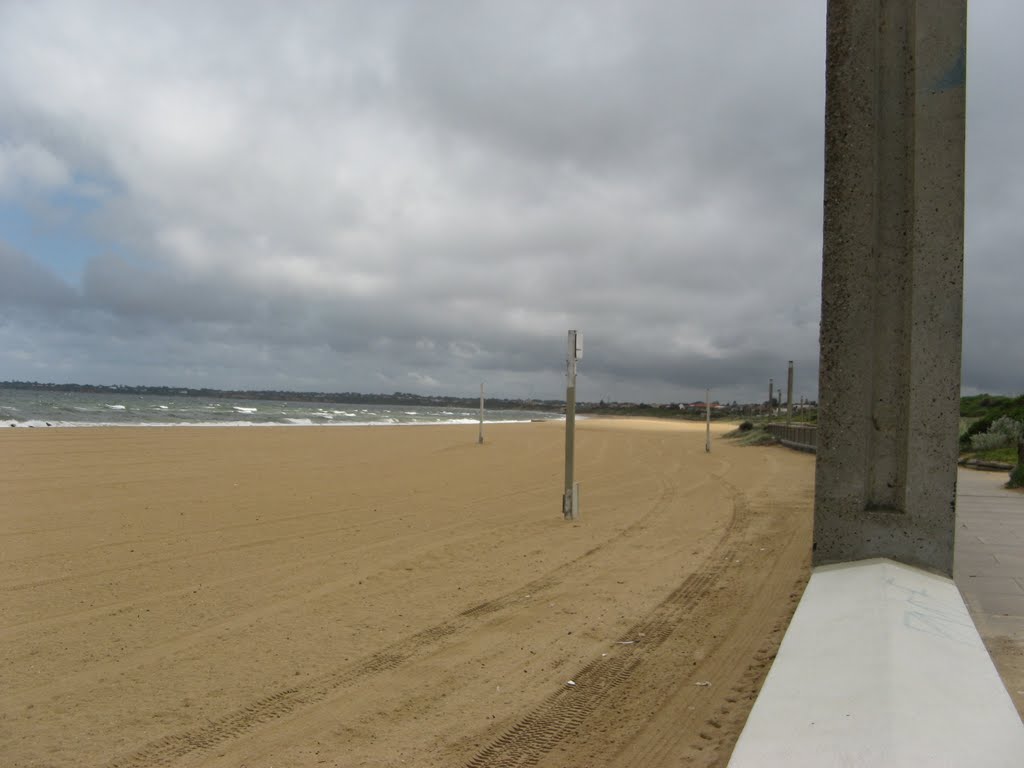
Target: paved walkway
(989, 569)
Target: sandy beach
(390, 596)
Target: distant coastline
(352, 398)
(688, 411)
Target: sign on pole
(570, 498)
(707, 408)
(481, 438)
(789, 394)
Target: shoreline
(248, 424)
(682, 424)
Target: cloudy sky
(420, 196)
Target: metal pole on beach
(481, 438)
(571, 496)
(707, 408)
(771, 391)
(789, 395)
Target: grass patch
(1006, 454)
(754, 436)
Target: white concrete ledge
(881, 666)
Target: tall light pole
(481, 438)
(570, 498)
(707, 408)
(789, 395)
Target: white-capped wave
(244, 409)
(114, 407)
(291, 422)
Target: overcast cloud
(420, 196)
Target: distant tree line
(341, 398)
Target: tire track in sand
(563, 712)
(166, 750)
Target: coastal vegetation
(1017, 475)
(978, 412)
(993, 432)
(755, 434)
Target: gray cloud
(25, 282)
(421, 196)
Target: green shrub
(979, 427)
(1001, 432)
(988, 441)
(1016, 477)
(1011, 428)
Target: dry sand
(390, 596)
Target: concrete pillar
(892, 282)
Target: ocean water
(40, 409)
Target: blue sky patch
(56, 229)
